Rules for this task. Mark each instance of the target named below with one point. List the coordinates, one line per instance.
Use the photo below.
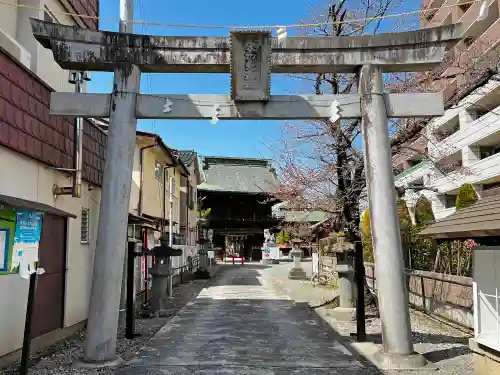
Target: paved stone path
(240, 325)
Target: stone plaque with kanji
(250, 65)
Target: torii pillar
(251, 57)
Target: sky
(226, 138)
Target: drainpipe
(188, 196)
(164, 197)
(75, 190)
(141, 166)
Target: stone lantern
(296, 273)
(160, 273)
(344, 251)
(296, 251)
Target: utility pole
(102, 326)
(392, 292)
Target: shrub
(404, 215)
(287, 237)
(283, 238)
(204, 213)
(423, 211)
(466, 197)
(365, 224)
(279, 238)
(366, 237)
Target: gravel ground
(445, 346)
(441, 344)
(58, 359)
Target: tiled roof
(482, 219)
(302, 216)
(280, 210)
(241, 175)
(187, 156)
(27, 126)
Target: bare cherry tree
(320, 163)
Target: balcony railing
(415, 168)
(478, 129)
(477, 172)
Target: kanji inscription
(250, 65)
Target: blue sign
(27, 236)
(4, 249)
(28, 227)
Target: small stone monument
(344, 251)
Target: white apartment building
(463, 146)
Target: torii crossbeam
(83, 49)
(412, 51)
(250, 57)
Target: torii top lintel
(82, 49)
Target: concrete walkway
(240, 324)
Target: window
(84, 226)
(429, 15)
(158, 170)
(487, 151)
(464, 7)
(469, 41)
(450, 201)
(190, 197)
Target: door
(48, 312)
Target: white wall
(8, 18)
(25, 178)
(17, 38)
(136, 182)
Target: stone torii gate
(250, 57)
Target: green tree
(423, 211)
(466, 197)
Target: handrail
(415, 168)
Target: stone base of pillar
(343, 314)
(117, 362)
(412, 361)
(297, 274)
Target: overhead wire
(232, 27)
(249, 27)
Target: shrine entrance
(250, 57)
